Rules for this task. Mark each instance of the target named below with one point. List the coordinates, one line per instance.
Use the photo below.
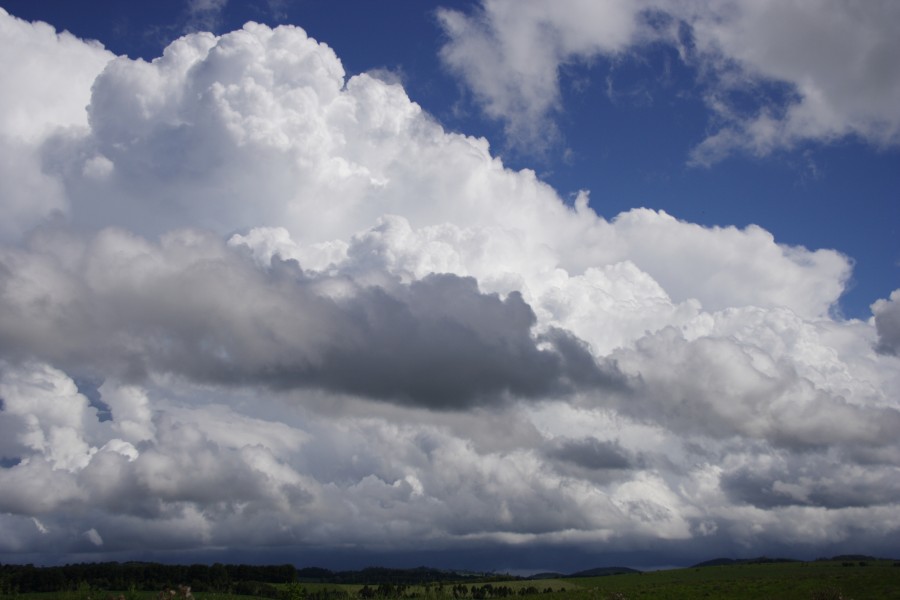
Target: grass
(878, 580)
(140, 595)
(824, 580)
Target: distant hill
(715, 562)
(379, 575)
(721, 562)
(604, 571)
(313, 574)
(845, 557)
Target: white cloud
(93, 537)
(51, 415)
(204, 15)
(318, 318)
(48, 77)
(766, 376)
(265, 114)
(509, 53)
(39, 525)
(833, 58)
(40, 62)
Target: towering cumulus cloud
(248, 302)
(46, 91)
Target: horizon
(525, 573)
(494, 283)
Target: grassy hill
(788, 580)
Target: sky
(497, 285)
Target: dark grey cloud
(830, 488)
(887, 323)
(195, 307)
(442, 343)
(591, 453)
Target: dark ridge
(546, 576)
(715, 562)
(845, 557)
(379, 575)
(314, 575)
(604, 571)
(761, 560)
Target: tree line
(140, 576)
(257, 580)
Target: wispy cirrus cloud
(204, 15)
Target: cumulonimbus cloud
(256, 302)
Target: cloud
(172, 308)
(36, 63)
(93, 537)
(745, 385)
(204, 15)
(770, 42)
(266, 114)
(800, 485)
(887, 323)
(284, 309)
(39, 525)
(590, 453)
(746, 53)
(509, 53)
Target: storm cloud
(250, 302)
(194, 307)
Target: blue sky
(500, 285)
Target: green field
(820, 580)
(878, 580)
